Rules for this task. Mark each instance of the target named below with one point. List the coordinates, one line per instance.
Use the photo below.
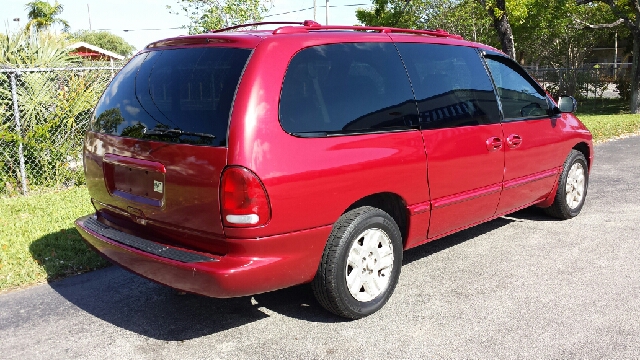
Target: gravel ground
(522, 286)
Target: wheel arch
(584, 148)
(391, 203)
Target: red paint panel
(541, 176)
(135, 163)
(466, 196)
(530, 167)
(419, 208)
(252, 267)
(190, 186)
(464, 176)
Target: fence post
(16, 116)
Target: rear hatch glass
(143, 170)
(179, 96)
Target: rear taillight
(244, 199)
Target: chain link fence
(43, 117)
(599, 81)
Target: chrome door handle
(494, 143)
(514, 140)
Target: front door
(530, 136)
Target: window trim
(340, 133)
(491, 55)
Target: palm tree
(43, 15)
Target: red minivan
(235, 163)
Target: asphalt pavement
(522, 286)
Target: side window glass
(519, 96)
(451, 85)
(346, 88)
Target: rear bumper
(250, 267)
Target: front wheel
(361, 263)
(572, 187)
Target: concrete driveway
(523, 286)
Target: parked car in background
(234, 163)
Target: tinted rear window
(178, 95)
(346, 88)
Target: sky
(140, 22)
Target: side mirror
(567, 104)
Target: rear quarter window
(178, 95)
(346, 88)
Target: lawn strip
(38, 241)
(605, 127)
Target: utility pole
(89, 13)
(327, 12)
(314, 10)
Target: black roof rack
(310, 25)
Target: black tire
(560, 208)
(330, 283)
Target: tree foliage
(105, 40)
(554, 32)
(42, 15)
(396, 13)
(628, 13)
(205, 15)
(545, 32)
(34, 49)
(464, 17)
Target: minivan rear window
(178, 95)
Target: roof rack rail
(312, 25)
(306, 23)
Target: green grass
(604, 127)
(38, 241)
(608, 118)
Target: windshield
(178, 95)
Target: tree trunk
(635, 74)
(501, 24)
(498, 13)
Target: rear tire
(572, 187)
(360, 265)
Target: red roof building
(92, 52)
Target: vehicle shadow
(129, 301)
(156, 311)
(452, 240)
(531, 213)
(63, 253)
(141, 306)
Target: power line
(320, 6)
(289, 12)
(129, 30)
(266, 16)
